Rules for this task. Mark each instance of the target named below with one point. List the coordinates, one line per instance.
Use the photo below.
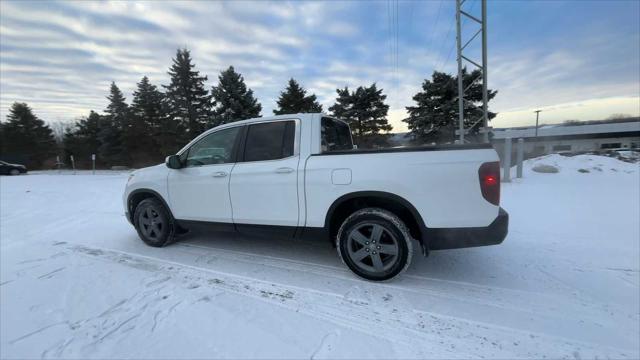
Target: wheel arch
(351, 202)
(136, 196)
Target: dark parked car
(12, 169)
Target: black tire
(14, 172)
(383, 259)
(154, 223)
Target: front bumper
(455, 238)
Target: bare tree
(59, 128)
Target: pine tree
(365, 111)
(83, 139)
(234, 101)
(343, 108)
(434, 118)
(112, 149)
(371, 111)
(145, 139)
(294, 100)
(25, 136)
(187, 100)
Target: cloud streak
(61, 56)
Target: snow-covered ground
(76, 282)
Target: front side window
(336, 135)
(215, 148)
(270, 141)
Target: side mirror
(173, 162)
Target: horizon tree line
(158, 123)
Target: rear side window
(270, 141)
(336, 135)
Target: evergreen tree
(234, 101)
(145, 139)
(112, 149)
(435, 115)
(365, 111)
(2, 139)
(343, 108)
(83, 139)
(25, 136)
(295, 100)
(187, 100)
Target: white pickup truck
(299, 176)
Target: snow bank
(581, 164)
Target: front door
(200, 190)
(264, 185)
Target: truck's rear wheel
(154, 223)
(375, 244)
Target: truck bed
(441, 182)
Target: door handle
(219, 174)
(284, 170)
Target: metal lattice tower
(483, 68)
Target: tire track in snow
(492, 297)
(404, 326)
(37, 332)
(291, 298)
(49, 275)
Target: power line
(390, 31)
(397, 61)
(444, 40)
(393, 27)
(435, 25)
(397, 39)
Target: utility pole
(460, 88)
(537, 118)
(485, 98)
(483, 68)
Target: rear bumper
(455, 238)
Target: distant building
(573, 137)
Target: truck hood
(150, 172)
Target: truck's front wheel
(154, 223)
(375, 244)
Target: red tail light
(489, 174)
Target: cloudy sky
(574, 60)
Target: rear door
(264, 184)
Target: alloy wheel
(372, 248)
(151, 223)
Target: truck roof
(300, 116)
